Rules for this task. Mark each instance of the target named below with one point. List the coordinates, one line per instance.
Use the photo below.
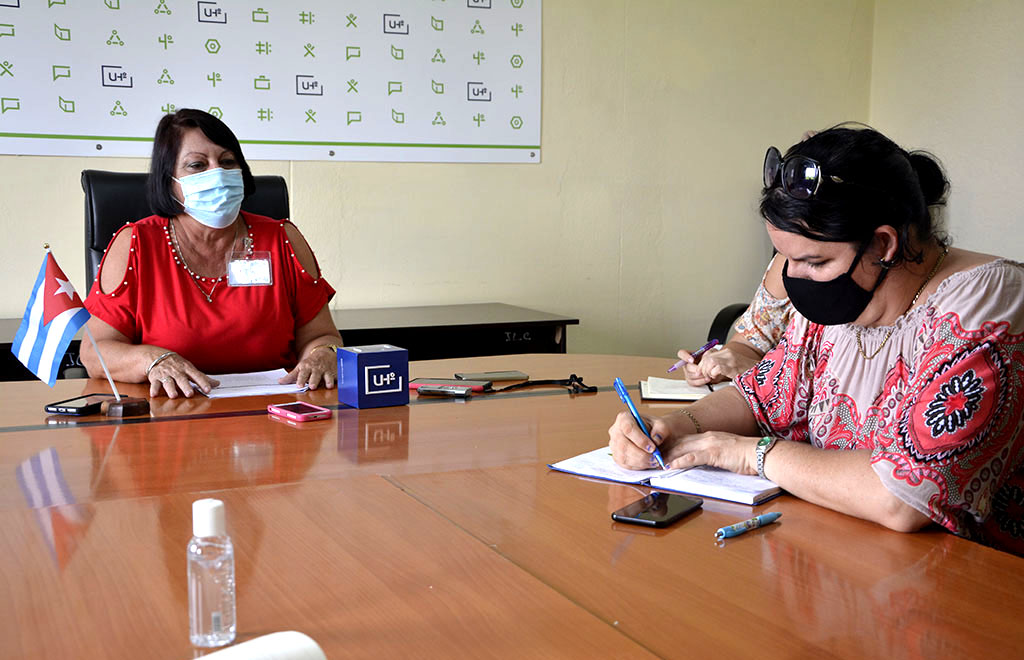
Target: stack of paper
(252, 384)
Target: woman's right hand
(715, 366)
(175, 374)
(631, 448)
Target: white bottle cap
(208, 518)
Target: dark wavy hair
(167, 144)
(882, 184)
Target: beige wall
(641, 220)
(949, 77)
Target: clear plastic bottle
(211, 577)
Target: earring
(886, 264)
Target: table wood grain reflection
(191, 445)
(436, 530)
(357, 564)
(817, 584)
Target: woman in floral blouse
(904, 353)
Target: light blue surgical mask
(213, 197)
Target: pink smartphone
(299, 411)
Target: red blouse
(247, 328)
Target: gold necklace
(194, 277)
(935, 269)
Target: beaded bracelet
(159, 360)
(696, 425)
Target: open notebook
(670, 389)
(705, 481)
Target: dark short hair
(167, 144)
(882, 185)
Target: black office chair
(114, 198)
(724, 321)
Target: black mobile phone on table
(493, 376)
(86, 404)
(657, 509)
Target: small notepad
(670, 389)
(704, 480)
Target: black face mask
(833, 302)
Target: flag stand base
(126, 407)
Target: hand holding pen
(695, 355)
(624, 396)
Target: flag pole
(117, 395)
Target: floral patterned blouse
(940, 406)
(766, 319)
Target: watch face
(764, 442)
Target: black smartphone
(493, 376)
(657, 509)
(87, 404)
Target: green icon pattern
(290, 75)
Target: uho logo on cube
(373, 376)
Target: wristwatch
(764, 445)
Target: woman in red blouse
(897, 392)
(202, 287)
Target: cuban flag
(52, 318)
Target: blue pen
(624, 395)
(747, 525)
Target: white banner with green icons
(385, 80)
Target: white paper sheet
(255, 383)
(599, 463)
(290, 645)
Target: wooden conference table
(436, 530)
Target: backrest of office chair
(724, 320)
(114, 198)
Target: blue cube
(373, 376)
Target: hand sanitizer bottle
(211, 577)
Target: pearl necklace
(935, 269)
(195, 277)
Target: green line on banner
(298, 143)
(54, 136)
(424, 145)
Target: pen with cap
(695, 355)
(624, 395)
(747, 525)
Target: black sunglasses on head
(799, 176)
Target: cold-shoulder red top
(242, 329)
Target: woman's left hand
(728, 451)
(318, 366)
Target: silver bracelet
(159, 360)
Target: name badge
(250, 269)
